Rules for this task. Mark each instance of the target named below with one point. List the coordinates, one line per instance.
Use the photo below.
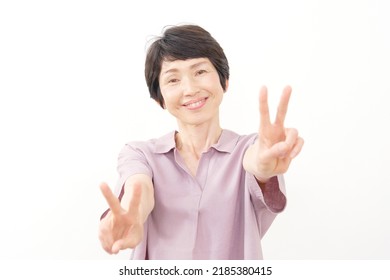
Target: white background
(73, 93)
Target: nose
(189, 86)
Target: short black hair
(183, 42)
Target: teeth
(195, 104)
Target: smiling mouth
(195, 104)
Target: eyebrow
(174, 70)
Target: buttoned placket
(202, 172)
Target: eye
(201, 71)
(173, 81)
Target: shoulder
(231, 141)
(154, 145)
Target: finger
(297, 148)
(106, 239)
(116, 247)
(283, 105)
(263, 107)
(111, 199)
(291, 137)
(107, 246)
(278, 150)
(284, 148)
(124, 243)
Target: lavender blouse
(221, 213)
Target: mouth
(195, 104)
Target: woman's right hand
(121, 228)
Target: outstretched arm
(276, 146)
(122, 227)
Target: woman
(201, 192)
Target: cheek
(217, 89)
(170, 98)
(214, 84)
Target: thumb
(278, 150)
(125, 243)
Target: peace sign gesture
(121, 228)
(276, 145)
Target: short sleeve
(132, 160)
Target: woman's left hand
(276, 146)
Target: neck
(197, 139)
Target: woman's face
(191, 90)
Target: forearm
(147, 197)
(254, 163)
